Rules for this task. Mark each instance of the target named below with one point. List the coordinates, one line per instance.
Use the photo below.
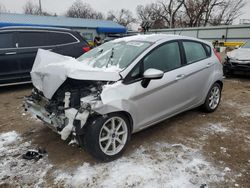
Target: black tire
(94, 131)
(207, 107)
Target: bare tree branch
(83, 10)
(2, 9)
(31, 8)
(123, 17)
(150, 13)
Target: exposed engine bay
(69, 108)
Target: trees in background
(83, 10)
(211, 12)
(150, 13)
(161, 14)
(192, 13)
(123, 17)
(33, 9)
(2, 9)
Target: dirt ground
(222, 137)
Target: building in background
(245, 21)
(88, 28)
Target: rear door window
(7, 40)
(194, 51)
(57, 38)
(32, 39)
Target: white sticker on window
(136, 44)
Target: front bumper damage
(236, 67)
(67, 120)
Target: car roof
(157, 37)
(34, 28)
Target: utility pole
(40, 7)
(171, 15)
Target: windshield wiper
(110, 60)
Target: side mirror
(151, 74)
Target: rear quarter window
(209, 50)
(60, 38)
(194, 51)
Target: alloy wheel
(214, 97)
(113, 136)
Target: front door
(163, 97)
(9, 63)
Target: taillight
(218, 55)
(86, 49)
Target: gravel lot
(192, 149)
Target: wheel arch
(129, 117)
(220, 83)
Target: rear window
(60, 38)
(6, 40)
(194, 51)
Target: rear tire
(213, 98)
(107, 137)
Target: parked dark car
(19, 45)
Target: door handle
(209, 65)
(179, 77)
(10, 53)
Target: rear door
(198, 69)
(9, 62)
(28, 44)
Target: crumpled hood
(50, 70)
(239, 54)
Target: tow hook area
(73, 114)
(66, 119)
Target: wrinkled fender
(118, 106)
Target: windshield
(246, 45)
(119, 54)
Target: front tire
(107, 137)
(213, 98)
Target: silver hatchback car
(122, 87)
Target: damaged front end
(70, 107)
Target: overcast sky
(60, 6)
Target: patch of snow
(158, 165)
(224, 150)
(112, 85)
(227, 169)
(244, 110)
(212, 128)
(7, 139)
(15, 171)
